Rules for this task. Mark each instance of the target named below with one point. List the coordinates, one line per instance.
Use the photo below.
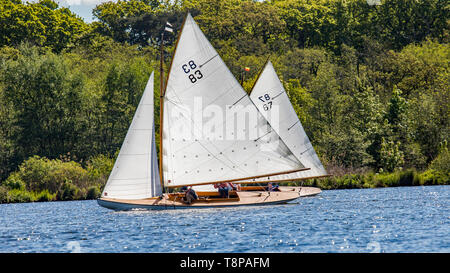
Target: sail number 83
(189, 68)
(268, 103)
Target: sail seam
(208, 60)
(293, 125)
(237, 101)
(278, 95)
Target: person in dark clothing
(271, 187)
(235, 187)
(189, 195)
(223, 189)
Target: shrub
(442, 162)
(386, 179)
(69, 191)
(45, 195)
(69, 171)
(3, 195)
(93, 193)
(20, 196)
(368, 180)
(34, 173)
(433, 177)
(99, 168)
(391, 157)
(43, 174)
(14, 181)
(49, 178)
(406, 178)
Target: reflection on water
(406, 219)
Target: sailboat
(270, 97)
(197, 148)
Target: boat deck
(249, 196)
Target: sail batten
(206, 140)
(135, 173)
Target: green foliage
(396, 107)
(442, 161)
(370, 84)
(40, 174)
(20, 196)
(69, 191)
(14, 181)
(391, 158)
(93, 193)
(100, 166)
(135, 21)
(408, 177)
(45, 196)
(3, 195)
(45, 99)
(40, 179)
(433, 177)
(42, 23)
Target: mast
(162, 92)
(161, 109)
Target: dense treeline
(368, 79)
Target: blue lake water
(406, 219)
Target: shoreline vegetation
(40, 179)
(369, 81)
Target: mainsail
(135, 174)
(268, 94)
(209, 121)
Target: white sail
(201, 144)
(204, 188)
(269, 93)
(135, 174)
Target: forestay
(135, 174)
(211, 130)
(268, 94)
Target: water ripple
(407, 219)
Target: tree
(123, 88)
(390, 155)
(136, 21)
(396, 109)
(308, 22)
(42, 23)
(404, 22)
(45, 98)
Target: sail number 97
(268, 104)
(193, 74)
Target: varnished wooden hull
(169, 202)
(304, 191)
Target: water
(407, 219)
